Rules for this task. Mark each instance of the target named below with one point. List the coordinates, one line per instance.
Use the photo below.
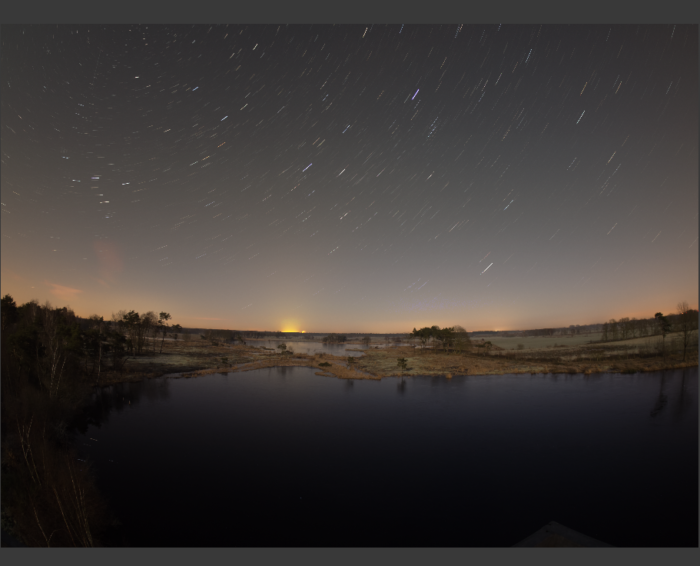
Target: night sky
(352, 178)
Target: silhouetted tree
(613, 328)
(424, 335)
(642, 327)
(462, 342)
(624, 324)
(446, 337)
(149, 323)
(45, 378)
(118, 348)
(664, 327)
(10, 313)
(95, 341)
(131, 322)
(687, 323)
(163, 326)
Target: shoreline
(377, 364)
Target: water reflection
(117, 398)
(683, 400)
(591, 377)
(348, 385)
(401, 387)
(661, 399)
(155, 390)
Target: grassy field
(543, 342)
(537, 342)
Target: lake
(283, 457)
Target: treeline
(231, 336)
(245, 334)
(223, 336)
(684, 321)
(626, 328)
(573, 330)
(137, 329)
(335, 339)
(50, 360)
(449, 338)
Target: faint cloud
(62, 292)
(17, 277)
(204, 318)
(101, 282)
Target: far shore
(195, 358)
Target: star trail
(352, 177)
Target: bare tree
(664, 327)
(53, 341)
(613, 328)
(624, 324)
(149, 323)
(646, 326)
(163, 326)
(97, 324)
(687, 324)
(633, 328)
(129, 323)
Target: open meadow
(537, 342)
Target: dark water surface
(283, 457)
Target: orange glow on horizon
(290, 325)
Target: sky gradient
(352, 178)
